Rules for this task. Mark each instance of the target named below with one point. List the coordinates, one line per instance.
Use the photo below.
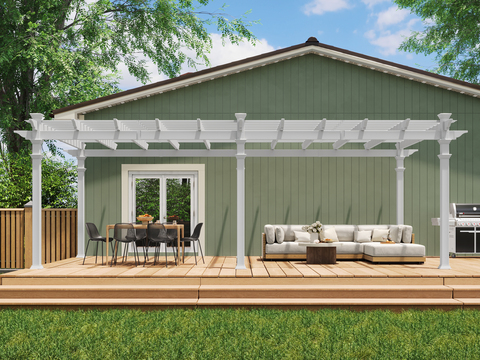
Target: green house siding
(302, 190)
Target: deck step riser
(71, 294)
(323, 294)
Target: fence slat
(73, 229)
(7, 239)
(20, 230)
(68, 215)
(57, 235)
(2, 239)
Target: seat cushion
(287, 247)
(378, 249)
(347, 247)
(344, 232)
(372, 227)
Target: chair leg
(166, 259)
(102, 253)
(194, 252)
(88, 243)
(201, 252)
(115, 253)
(96, 253)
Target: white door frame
(163, 169)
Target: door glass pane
(147, 198)
(179, 202)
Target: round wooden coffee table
(321, 253)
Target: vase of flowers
(314, 228)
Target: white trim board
(198, 168)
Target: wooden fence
(59, 236)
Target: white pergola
(370, 133)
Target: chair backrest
(92, 231)
(196, 232)
(124, 231)
(157, 231)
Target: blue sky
(371, 27)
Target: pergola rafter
(370, 133)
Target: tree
(56, 52)
(452, 33)
(59, 181)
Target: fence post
(28, 235)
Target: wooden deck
(273, 284)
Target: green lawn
(239, 334)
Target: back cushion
(372, 227)
(289, 229)
(344, 232)
(270, 233)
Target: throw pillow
(330, 233)
(303, 236)
(407, 234)
(279, 234)
(379, 235)
(270, 234)
(396, 232)
(362, 236)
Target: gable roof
(311, 46)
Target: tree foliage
(452, 33)
(57, 52)
(59, 181)
(147, 200)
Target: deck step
(334, 303)
(466, 291)
(324, 292)
(99, 292)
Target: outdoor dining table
(180, 233)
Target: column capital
(444, 142)
(399, 169)
(81, 170)
(444, 156)
(36, 156)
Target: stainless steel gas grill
(464, 229)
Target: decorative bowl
(145, 219)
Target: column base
(36, 267)
(445, 267)
(240, 267)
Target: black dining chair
(94, 235)
(157, 235)
(141, 241)
(124, 233)
(194, 238)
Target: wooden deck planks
(256, 267)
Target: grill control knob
(468, 224)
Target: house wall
(302, 190)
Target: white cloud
(371, 3)
(370, 34)
(318, 7)
(389, 43)
(219, 55)
(393, 15)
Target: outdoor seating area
(375, 243)
(355, 285)
(146, 235)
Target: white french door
(165, 195)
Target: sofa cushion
(379, 235)
(304, 236)
(329, 233)
(287, 247)
(270, 234)
(344, 232)
(362, 236)
(279, 234)
(407, 234)
(396, 232)
(377, 249)
(347, 247)
(289, 229)
(372, 227)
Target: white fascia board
(393, 70)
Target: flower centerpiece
(314, 228)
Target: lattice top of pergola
(403, 133)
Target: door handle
(469, 232)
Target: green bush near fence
(239, 334)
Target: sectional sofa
(281, 242)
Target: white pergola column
(37, 204)
(81, 204)
(400, 169)
(444, 202)
(240, 190)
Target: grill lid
(467, 210)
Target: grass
(239, 334)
